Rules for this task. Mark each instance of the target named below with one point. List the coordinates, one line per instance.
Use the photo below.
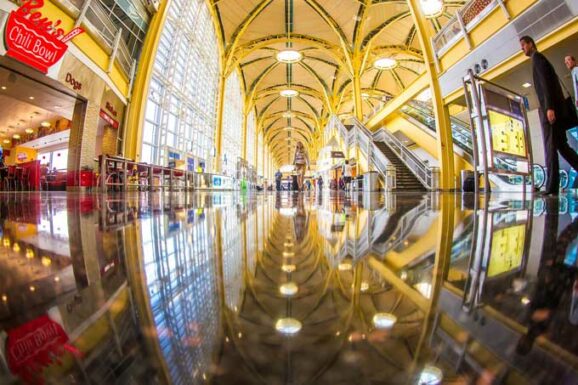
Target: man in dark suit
(551, 100)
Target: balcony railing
(462, 23)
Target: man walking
(570, 62)
(551, 99)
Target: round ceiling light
(385, 63)
(6, 141)
(16, 136)
(289, 93)
(430, 375)
(288, 326)
(384, 320)
(432, 8)
(45, 124)
(289, 289)
(365, 95)
(288, 268)
(288, 115)
(29, 130)
(289, 56)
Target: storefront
(58, 112)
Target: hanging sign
(107, 118)
(33, 39)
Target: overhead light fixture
(384, 320)
(289, 93)
(6, 141)
(288, 326)
(3, 88)
(16, 136)
(288, 289)
(289, 268)
(45, 124)
(430, 375)
(526, 85)
(364, 287)
(31, 97)
(289, 56)
(385, 63)
(365, 95)
(29, 130)
(288, 115)
(432, 8)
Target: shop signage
(337, 154)
(34, 39)
(110, 108)
(34, 346)
(107, 118)
(76, 85)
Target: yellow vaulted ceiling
(338, 39)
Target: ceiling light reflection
(384, 320)
(288, 326)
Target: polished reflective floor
(228, 288)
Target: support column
(444, 131)
(357, 99)
(219, 128)
(132, 140)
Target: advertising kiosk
(501, 141)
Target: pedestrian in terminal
(347, 172)
(320, 183)
(278, 177)
(551, 99)
(570, 62)
(301, 161)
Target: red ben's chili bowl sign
(33, 39)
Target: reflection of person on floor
(301, 219)
(554, 279)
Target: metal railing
(360, 136)
(426, 174)
(462, 22)
(424, 114)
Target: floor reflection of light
(424, 288)
(288, 326)
(364, 287)
(384, 320)
(525, 300)
(288, 244)
(288, 254)
(430, 375)
(288, 268)
(4, 298)
(288, 289)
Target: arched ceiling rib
(331, 35)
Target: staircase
(405, 180)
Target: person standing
(551, 99)
(278, 177)
(347, 172)
(570, 62)
(301, 160)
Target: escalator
(421, 116)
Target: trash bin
(468, 182)
(371, 181)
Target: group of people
(554, 114)
(301, 163)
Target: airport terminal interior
(288, 192)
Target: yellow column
(444, 130)
(219, 128)
(357, 99)
(134, 122)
